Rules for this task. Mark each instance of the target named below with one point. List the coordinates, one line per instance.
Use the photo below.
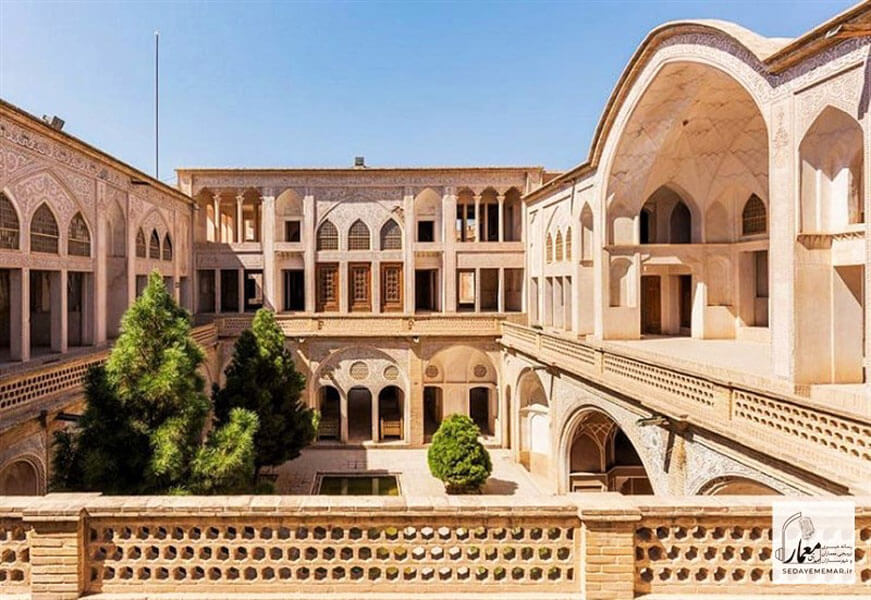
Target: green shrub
(457, 458)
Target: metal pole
(156, 105)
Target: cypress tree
(262, 378)
(142, 430)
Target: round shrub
(457, 458)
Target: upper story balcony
(725, 387)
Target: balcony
(767, 418)
(32, 388)
(374, 325)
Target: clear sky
(314, 84)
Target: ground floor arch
(20, 478)
(600, 457)
(329, 405)
(359, 414)
(390, 403)
(736, 485)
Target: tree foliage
(262, 378)
(457, 458)
(142, 429)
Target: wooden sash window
(391, 287)
(359, 287)
(328, 287)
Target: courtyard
(409, 465)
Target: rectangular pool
(358, 485)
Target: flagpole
(156, 105)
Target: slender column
(309, 249)
(500, 301)
(477, 290)
(19, 305)
(449, 259)
(374, 418)
(216, 208)
(501, 199)
(477, 217)
(240, 281)
(240, 236)
(408, 267)
(58, 301)
(343, 416)
(267, 235)
(217, 291)
(98, 309)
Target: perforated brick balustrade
(594, 546)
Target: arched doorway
(601, 458)
(390, 413)
(479, 409)
(534, 425)
(359, 414)
(329, 406)
(432, 411)
(19, 479)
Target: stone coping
(599, 506)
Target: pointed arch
(167, 247)
(358, 236)
(548, 249)
(116, 230)
(10, 228)
(680, 224)
(558, 247)
(154, 245)
(44, 233)
(568, 244)
(586, 233)
(753, 217)
(328, 236)
(79, 242)
(140, 244)
(391, 236)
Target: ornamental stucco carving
(705, 464)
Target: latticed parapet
(596, 546)
(827, 443)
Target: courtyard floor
(298, 476)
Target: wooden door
(651, 312)
(328, 287)
(391, 287)
(359, 287)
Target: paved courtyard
(298, 476)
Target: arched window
(79, 243)
(9, 227)
(558, 246)
(154, 245)
(328, 237)
(753, 216)
(140, 244)
(391, 236)
(358, 236)
(43, 231)
(569, 243)
(167, 247)
(548, 249)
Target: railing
(25, 392)
(594, 546)
(822, 442)
(371, 325)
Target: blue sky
(299, 84)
